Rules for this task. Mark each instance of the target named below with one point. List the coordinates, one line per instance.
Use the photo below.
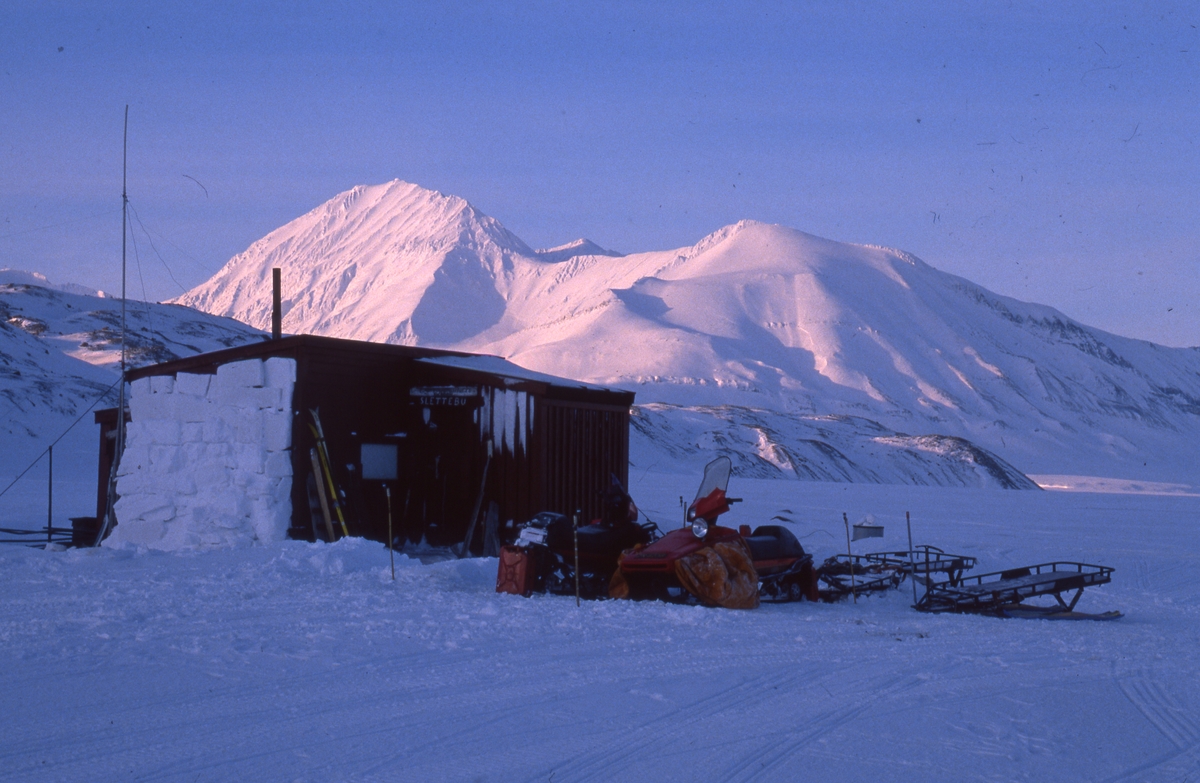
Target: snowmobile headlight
(699, 528)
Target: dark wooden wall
(582, 447)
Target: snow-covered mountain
(61, 350)
(21, 277)
(580, 247)
(391, 263)
(752, 318)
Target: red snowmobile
(718, 565)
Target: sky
(1047, 151)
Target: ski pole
(575, 527)
(850, 557)
(391, 551)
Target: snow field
(208, 458)
(294, 661)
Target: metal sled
(924, 562)
(1002, 593)
(843, 575)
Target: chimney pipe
(276, 305)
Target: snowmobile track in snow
(1164, 712)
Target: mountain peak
(393, 262)
(580, 247)
(405, 213)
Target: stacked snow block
(208, 461)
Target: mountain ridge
(753, 314)
(60, 354)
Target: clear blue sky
(1047, 151)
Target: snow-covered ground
(306, 662)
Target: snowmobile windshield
(716, 476)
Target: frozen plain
(299, 661)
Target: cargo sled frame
(924, 561)
(843, 575)
(1002, 591)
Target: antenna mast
(109, 516)
(124, 233)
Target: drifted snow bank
(208, 460)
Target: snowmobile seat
(773, 542)
(600, 540)
(595, 540)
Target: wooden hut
(466, 431)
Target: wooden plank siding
(585, 446)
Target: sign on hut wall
(447, 396)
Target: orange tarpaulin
(722, 574)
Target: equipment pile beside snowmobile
(554, 553)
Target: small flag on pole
(866, 528)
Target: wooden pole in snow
(912, 566)
(50, 496)
(575, 527)
(391, 551)
(850, 559)
(109, 520)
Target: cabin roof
(484, 368)
(494, 365)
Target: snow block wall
(208, 459)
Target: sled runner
(1053, 613)
(1003, 593)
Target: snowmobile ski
(1027, 612)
